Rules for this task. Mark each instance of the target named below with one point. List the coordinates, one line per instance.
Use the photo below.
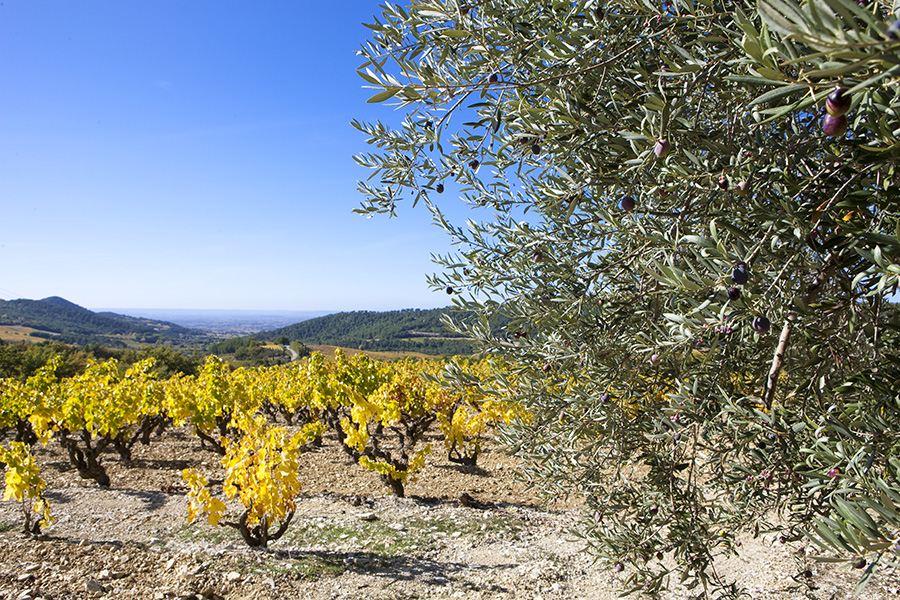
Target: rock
(368, 516)
(232, 576)
(94, 586)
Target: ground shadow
(55, 497)
(152, 499)
(465, 469)
(397, 568)
(158, 464)
(60, 466)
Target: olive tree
(687, 214)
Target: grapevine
(99, 408)
(261, 472)
(477, 405)
(216, 402)
(25, 485)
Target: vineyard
(259, 422)
(288, 482)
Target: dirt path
(348, 540)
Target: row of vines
(259, 421)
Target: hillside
(404, 331)
(409, 330)
(58, 319)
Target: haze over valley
(223, 322)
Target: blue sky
(172, 154)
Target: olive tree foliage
(696, 265)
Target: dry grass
(328, 351)
(19, 333)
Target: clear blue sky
(196, 154)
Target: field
(462, 532)
(18, 333)
(374, 355)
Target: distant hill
(58, 319)
(410, 330)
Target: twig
(812, 292)
(777, 362)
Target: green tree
(699, 300)
(300, 348)
(167, 361)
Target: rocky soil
(460, 533)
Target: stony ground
(460, 533)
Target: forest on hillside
(58, 319)
(409, 330)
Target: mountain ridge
(410, 330)
(59, 319)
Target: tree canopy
(410, 330)
(689, 212)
